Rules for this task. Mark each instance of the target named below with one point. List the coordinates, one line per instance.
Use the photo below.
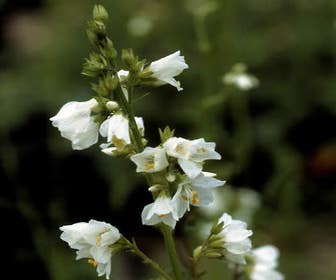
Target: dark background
(278, 139)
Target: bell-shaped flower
(162, 210)
(76, 123)
(92, 240)
(165, 69)
(116, 129)
(233, 238)
(264, 261)
(239, 78)
(150, 160)
(191, 154)
(196, 192)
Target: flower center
(149, 165)
(118, 143)
(202, 150)
(195, 199)
(93, 262)
(98, 239)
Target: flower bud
(170, 177)
(100, 13)
(197, 253)
(112, 105)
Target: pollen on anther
(98, 239)
(184, 197)
(93, 262)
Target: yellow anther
(179, 149)
(119, 143)
(150, 163)
(184, 197)
(195, 201)
(162, 215)
(202, 150)
(93, 262)
(98, 239)
(149, 166)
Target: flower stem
(170, 246)
(166, 231)
(133, 248)
(236, 273)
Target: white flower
(264, 262)
(76, 124)
(191, 154)
(150, 160)
(239, 78)
(116, 129)
(123, 75)
(160, 211)
(165, 69)
(197, 192)
(234, 239)
(92, 240)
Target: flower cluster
(182, 160)
(173, 169)
(81, 122)
(93, 240)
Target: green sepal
(166, 134)
(99, 13)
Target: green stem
(129, 110)
(236, 273)
(146, 260)
(170, 245)
(166, 231)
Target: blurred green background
(278, 141)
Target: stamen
(150, 163)
(195, 199)
(184, 197)
(98, 239)
(119, 143)
(202, 150)
(179, 149)
(93, 262)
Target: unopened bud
(112, 105)
(213, 255)
(100, 13)
(197, 253)
(170, 177)
(155, 188)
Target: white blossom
(116, 129)
(92, 240)
(160, 211)
(123, 75)
(75, 122)
(264, 262)
(165, 69)
(150, 160)
(239, 78)
(191, 154)
(234, 237)
(196, 192)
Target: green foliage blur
(278, 139)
